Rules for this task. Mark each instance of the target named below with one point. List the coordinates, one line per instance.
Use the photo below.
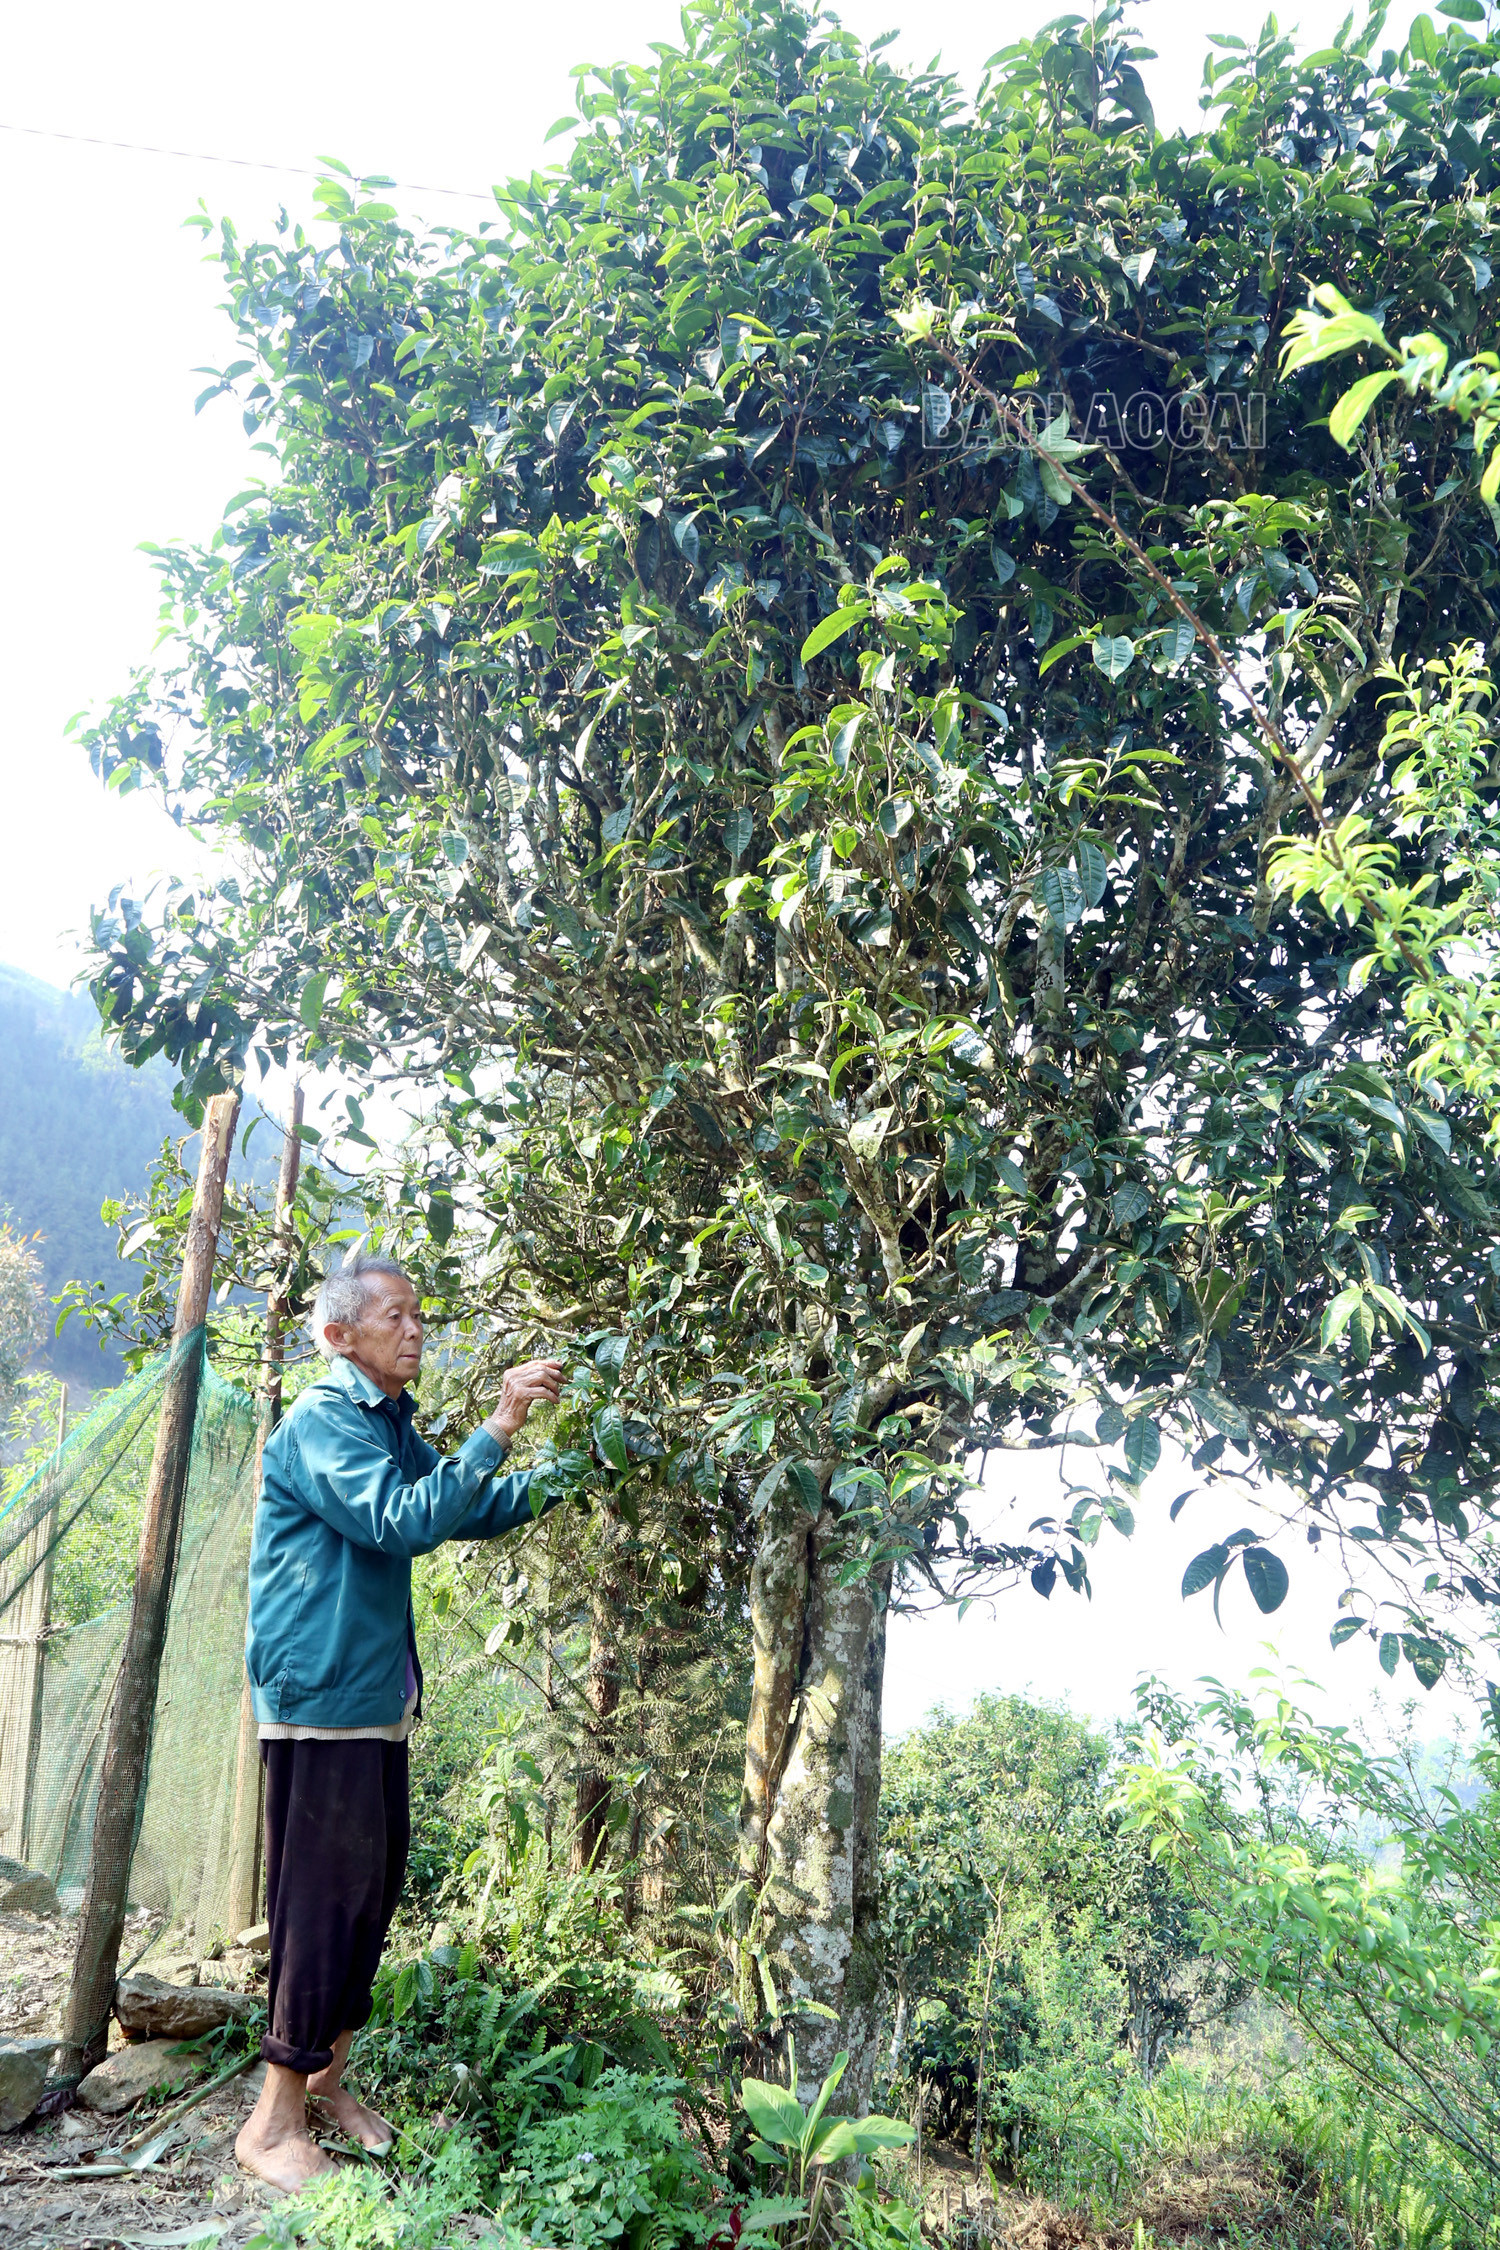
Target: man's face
(386, 1342)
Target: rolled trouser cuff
(306, 2061)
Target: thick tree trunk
(812, 1789)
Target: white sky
(1089, 1653)
(111, 309)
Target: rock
(257, 1939)
(24, 2064)
(240, 1968)
(150, 2008)
(173, 1969)
(23, 1890)
(133, 2073)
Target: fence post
(23, 1656)
(249, 1785)
(127, 1750)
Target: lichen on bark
(808, 1815)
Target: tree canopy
(805, 877)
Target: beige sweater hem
(397, 1732)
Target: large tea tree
(809, 877)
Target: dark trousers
(337, 1830)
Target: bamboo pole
(23, 1656)
(123, 1779)
(249, 1785)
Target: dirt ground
(1251, 2201)
(44, 2205)
(195, 2183)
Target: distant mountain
(76, 1125)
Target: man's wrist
(494, 1427)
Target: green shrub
(354, 2208)
(1390, 1963)
(615, 2170)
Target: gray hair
(343, 1295)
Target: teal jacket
(349, 1493)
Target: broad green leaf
(867, 1133)
(1063, 648)
(739, 829)
(1219, 1412)
(1093, 869)
(1204, 1569)
(1113, 655)
(765, 2217)
(812, 2135)
(1062, 895)
(1142, 1445)
(1313, 336)
(310, 1007)
(1266, 1576)
(1427, 1658)
(1109, 1426)
(1338, 1314)
(609, 1435)
(765, 1491)
(1356, 403)
(1129, 1203)
(776, 2114)
(830, 628)
(685, 533)
(861, 2136)
(805, 1478)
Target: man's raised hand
(535, 1382)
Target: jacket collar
(357, 1385)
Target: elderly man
(349, 1494)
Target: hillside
(75, 1126)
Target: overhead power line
(242, 163)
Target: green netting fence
(67, 1549)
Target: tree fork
(123, 1778)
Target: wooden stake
(23, 1657)
(123, 1779)
(243, 1901)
